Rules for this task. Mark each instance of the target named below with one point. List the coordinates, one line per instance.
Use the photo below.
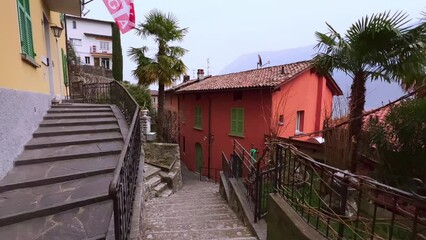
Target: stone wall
(21, 113)
(98, 71)
(284, 221)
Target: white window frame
(104, 45)
(298, 121)
(85, 60)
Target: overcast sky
(222, 30)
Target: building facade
(91, 40)
(33, 69)
(281, 101)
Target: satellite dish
(259, 63)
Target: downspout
(209, 136)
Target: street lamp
(56, 31)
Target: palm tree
(378, 47)
(166, 65)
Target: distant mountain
(378, 92)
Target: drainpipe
(209, 139)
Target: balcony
(65, 6)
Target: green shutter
(25, 28)
(237, 121)
(64, 67)
(198, 118)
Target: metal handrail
(123, 184)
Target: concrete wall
(285, 223)
(21, 112)
(18, 74)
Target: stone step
(33, 156)
(78, 110)
(66, 140)
(152, 182)
(187, 208)
(189, 212)
(150, 171)
(166, 193)
(27, 203)
(80, 105)
(77, 121)
(54, 172)
(185, 205)
(85, 222)
(79, 115)
(212, 233)
(160, 188)
(65, 130)
(172, 225)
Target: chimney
(185, 78)
(200, 74)
(282, 70)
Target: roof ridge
(263, 68)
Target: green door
(198, 157)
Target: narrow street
(195, 212)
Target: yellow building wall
(16, 73)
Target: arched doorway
(198, 157)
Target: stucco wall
(21, 113)
(18, 74)
(256, 104)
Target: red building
(283, 100)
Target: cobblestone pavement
(195, 212)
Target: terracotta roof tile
(263, 77)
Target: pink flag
(123, 12)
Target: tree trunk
(160, 112)
(356, 108)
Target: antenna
(193, 73)
(259, 63)
(208, 66)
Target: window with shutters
(198, 118)
(25, 28)
(237, 122)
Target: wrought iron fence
(341, 205)
(99, 93)
(123, 185)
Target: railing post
(344, 194)
(277, 148)
(258, 191)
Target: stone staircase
(58, 188)
(155, 184)
(195, 212)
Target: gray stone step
(27, 203)
(172, 225)
(166, 193)
(79, 115)
(152, 182)
(160, 188)
(65, 140)
(189, 212)
(211, 233)
(79, 105)
(54, 172)
(65, 130)
(150, 171)
(79, 110)
(77, 121)
(86, 222)
(33, 156)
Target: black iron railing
(99, 93)
(123, 185)
(341, 205)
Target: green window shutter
(25, 28)
(237, 121)
(198, 118)
(240, 128)
(64, 67)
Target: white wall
(93, 27)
